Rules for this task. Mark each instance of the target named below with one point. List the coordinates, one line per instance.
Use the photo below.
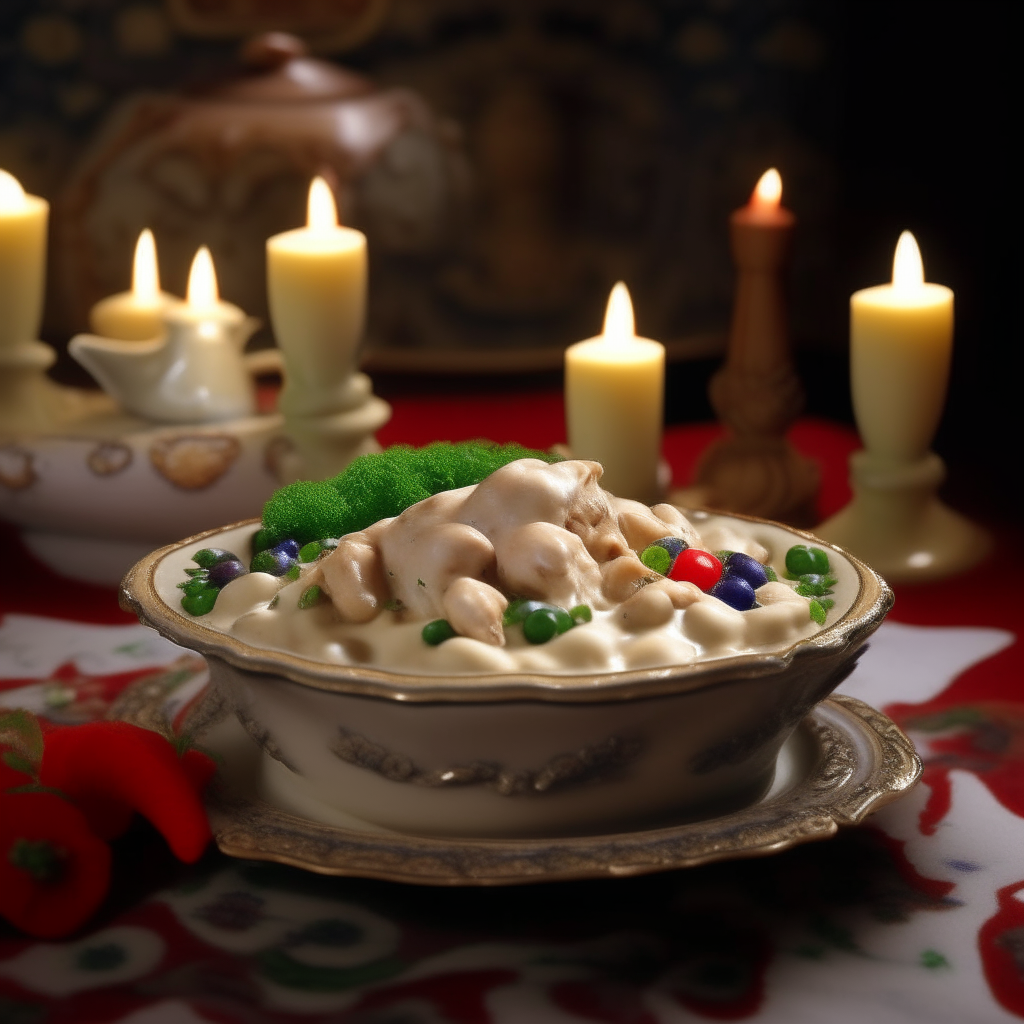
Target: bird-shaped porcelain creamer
(194, 373)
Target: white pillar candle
(316, 288)
(135, 315)
(614, 400)
(901, 339)
(23, 220)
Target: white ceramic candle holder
(900, 346)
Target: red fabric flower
(54, 872)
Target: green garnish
(581, 613)
(310, 596)
(657, 559)
(379, 486)
(293, 573)
(310, 552)
(200, 603)
(818, 612)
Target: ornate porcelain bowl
(519, 754)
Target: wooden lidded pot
(230, 165)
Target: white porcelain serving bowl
(519, 754)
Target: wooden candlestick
(757, 394)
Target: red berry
(696, 566)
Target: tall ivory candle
(135, 315)
(901, 340)
(23, 221)
(316, 285)
(614, 399)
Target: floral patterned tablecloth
(917, 916)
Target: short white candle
(316, 288)
(135, 315)
(614, 400)
(22, 262)
(901, 339)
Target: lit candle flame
(202, 281)
(619, 325)
(145, 273)
(767, 194)
(907, 268)
(12, 195)
(321, 213)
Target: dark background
(881, 116)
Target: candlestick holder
(757, 394)
(898, 525)
(901, 338)
(321, 445)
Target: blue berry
(735, 591)
(746, 568)
(222, 573)
(287, 547)
(277, 563)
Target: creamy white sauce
(458, 554)
(393, 640)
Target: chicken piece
(622, 577)
(646, 609)
(544, 561)
(421, 572)
(353, 575)
(641, 526)
(475, 609)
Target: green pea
(201, 603)
(657, 559)
(540, 626)
(211, 556)
(801, 559)
(563, 621)
(261, 540)
(196, 585)
(310, 552)
(520, 608)
(581, 613)
(437, 632)
(310, 596)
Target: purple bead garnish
(223, 573)
(746, 568)
(734, 591)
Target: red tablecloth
(918, 916)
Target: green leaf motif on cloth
(279, 967)
(20, 731)
(933, 960)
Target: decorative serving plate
(843, 762)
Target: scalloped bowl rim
(139, 594)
